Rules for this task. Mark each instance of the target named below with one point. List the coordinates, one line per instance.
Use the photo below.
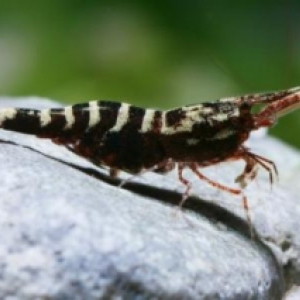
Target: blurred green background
(150, 53)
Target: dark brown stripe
(24, 122)
(136, 116)
(58, 121)
(80, 106)
(157, 123)
(174, 117)
(109, 113)
(81, 115)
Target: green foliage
(151, 53)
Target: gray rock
(67, 232)
(293, 294)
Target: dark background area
(151, 53)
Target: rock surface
(67, 232)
